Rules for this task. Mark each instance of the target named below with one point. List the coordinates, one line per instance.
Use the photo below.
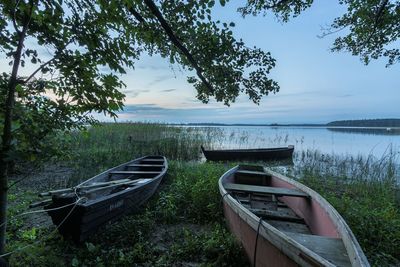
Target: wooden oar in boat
(94, 185)
(40, 203)
(92, 189)
(128, 184)
(79, 220)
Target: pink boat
(281, 222)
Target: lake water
(339, 141)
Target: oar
(40, 203)
(72, 189)
(132, 182)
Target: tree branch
(277, 4)
(38, 69)
(378, 15)
(329, 31)
(14, 20)
(136, 15)
(164, 24)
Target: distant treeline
(250, 124)
(367, 123)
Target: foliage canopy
(371, 28)
(75, 52)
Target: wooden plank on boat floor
(290, 226)
(282, 205)
(134, 172)
(331, 249)
(286, 210)
(252, 172)
(278, 191)
(277, 215)
(144, 165)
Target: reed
(362, 189)
(365, 191)
(109, 144)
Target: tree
(371, 27)
(89, 44)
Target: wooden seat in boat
(249, 172)
(134, 172)
(329, 248)
(144, 165)
(278, 191)
(277, 215)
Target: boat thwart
(281, 222)
(80, 210)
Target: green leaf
(75, 262)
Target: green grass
(188, 204)
(365, 193)
(107, 145)
(185, 217)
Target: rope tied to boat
(223, 197)
(255, 245)
(79, 199)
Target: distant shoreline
(370, 123)
(283, 125)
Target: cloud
(168, 90)
(158, 79)
(346, 95)
(206, 113)
(135, 93)
(152, 112)
(152, 67)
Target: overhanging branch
(170, 33)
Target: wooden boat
(80, 210)
(261, 154)
(281, 222)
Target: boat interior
(288, 210)
(124, 177)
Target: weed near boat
(182, 225)
(186, 215)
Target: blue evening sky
(317, 86)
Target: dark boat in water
(261, 154)
(80, 210)
(281, 222)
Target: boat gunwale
(284, 242)
(91, 202)
(349, 240)
(247, 150)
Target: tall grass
(182, 225)
(365, 191)
(362, 189)
(106, 145)
(360, 167)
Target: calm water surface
(339, 141)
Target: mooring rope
(255, 245)
(52, 232)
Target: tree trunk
(7, 136)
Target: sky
(316, 85)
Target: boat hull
(267, 254)
(267, 154)
(78, 221)
(276, 246)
